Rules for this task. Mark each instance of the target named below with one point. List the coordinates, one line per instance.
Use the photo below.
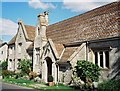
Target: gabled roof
(30, 47)
(100, 23)
(12, 41)
(3, 44)
(96, 24)
(59, 48)
(67, 53)
(30, 30)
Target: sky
(11, 11)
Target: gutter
(77, 43)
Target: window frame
(2, 52)
(105, 64)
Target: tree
(25, 66)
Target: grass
(28, 83)
(58, 87)
(21, 82)
(17, 80)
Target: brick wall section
(96, 24)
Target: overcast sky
(27, 11)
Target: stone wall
(3, 52)
(114, 57)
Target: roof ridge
(83, 13)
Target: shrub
(109, 85)
(4, 65)
(87, 73)
(19, 74)
(25, 66)
(11, 73)
(6, 73)
(50, 78)
(32, 75)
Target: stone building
(3, 52)
(93, 36)
(18, 46)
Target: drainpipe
(86, 50)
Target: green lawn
(28, 83)
(58, 88)
(18, 81)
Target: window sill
(106, 69)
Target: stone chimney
(43, 23)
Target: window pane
(107, 59)
(101, 59)
(96, 58)
(2, 52)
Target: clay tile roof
(12, 41)
(67, 53)
(30, 46)
(30, 32)
(96, 24)
(59, 48)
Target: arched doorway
(49, 66)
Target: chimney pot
(45, 13)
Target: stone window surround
(104, 58)
(37, 56)
(2, 52)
